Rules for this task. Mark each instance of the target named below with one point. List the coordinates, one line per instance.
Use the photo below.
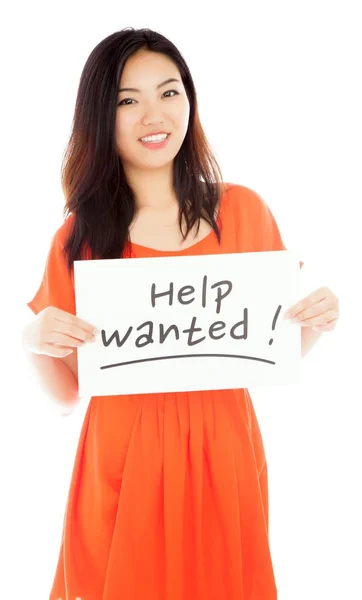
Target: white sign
(186, 323)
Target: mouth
(155, 144)
(154, 141)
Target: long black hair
(97, 195)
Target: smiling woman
(169, 492)
(155, 139)
(155, 117)
(120, 188)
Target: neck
(153, 188)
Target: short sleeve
(270, 231)
(257, 223)
(57, 284)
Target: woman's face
(154, 107)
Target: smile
(155, 142)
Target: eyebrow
(158, 87)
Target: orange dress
(168, 498)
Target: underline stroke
(142, 360)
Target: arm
(309, 338)
(58, 378)
(266, 237)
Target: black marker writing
(150, 333)
(222, 289)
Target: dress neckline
(196, 246)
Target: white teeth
(155, 138)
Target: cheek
(184, 117)
(178, 117)
(124, 129)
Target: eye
(125, 103)
(173, 91)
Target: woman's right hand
(56, 333)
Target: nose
(152, 114)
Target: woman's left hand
(319, 310)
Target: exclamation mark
(274, 321)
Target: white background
(280, 99)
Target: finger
(327, 327)
(312, 311)
(61, 339)
(57, 351)
(313, 298)
(322, 320)
(71, 330)
(75, 321)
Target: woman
(169, 493)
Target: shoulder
(242, 195)
(248, 217)
(61, 234)
(242, 200)
(56, 258)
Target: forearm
(56, 380)
(309, 338)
